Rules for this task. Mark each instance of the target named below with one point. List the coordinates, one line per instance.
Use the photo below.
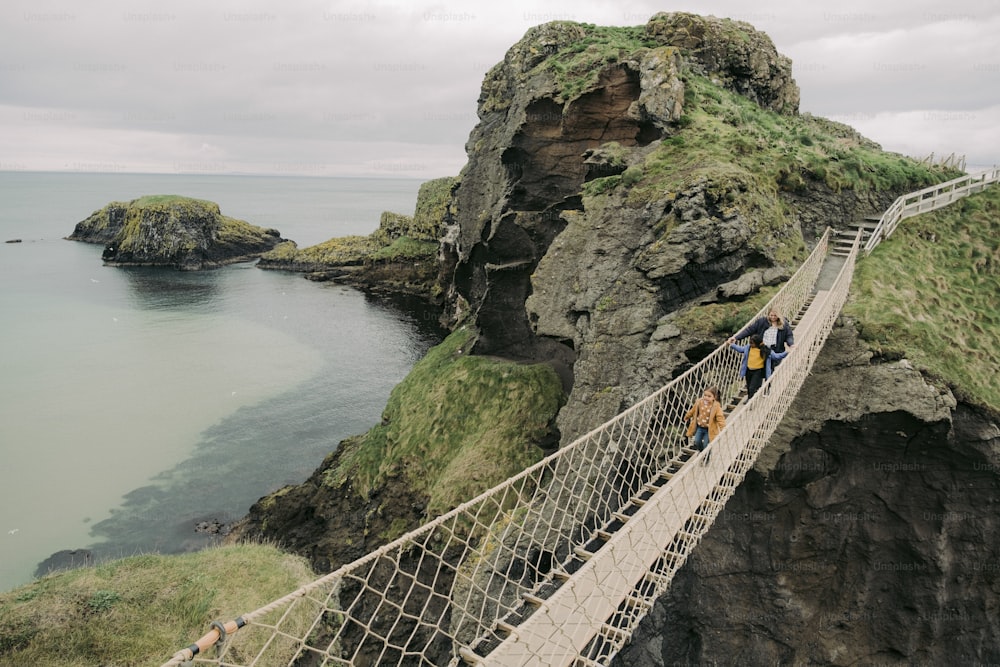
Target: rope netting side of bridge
(559, 563)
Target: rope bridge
(557, 565)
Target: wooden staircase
(844, 239)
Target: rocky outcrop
(102, 226)
(400, 257)
(741, 58)
(535, 146)
(172, 231)
(573, 237)
(861, 535)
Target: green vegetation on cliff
(399, 238)
(139, 610)
(577, 67)
(457, 425)
(169, 201)
(749, 156)
(929, 294)
(787, 151)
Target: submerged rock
(67, 559)
(174, 231)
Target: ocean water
(137, 402)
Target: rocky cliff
(178, 232)
(614, 179)
(631, 197)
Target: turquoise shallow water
(135, 403)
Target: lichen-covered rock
(553, 116)
(581, 221)
(743, 58)
(571, 103)
(173, 231)
(102, 226)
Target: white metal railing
(928, 199)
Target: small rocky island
(173, 231)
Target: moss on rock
(399, 257)
(175, 231)
(457, 425)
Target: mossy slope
(457, 425)
(929, 294)
(140, 610)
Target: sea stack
(173, 231)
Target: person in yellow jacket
(706, 417)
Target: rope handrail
(557, 564)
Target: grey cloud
(265, 83)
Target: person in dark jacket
(775, 331)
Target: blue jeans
(701, 438)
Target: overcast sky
(340, 88)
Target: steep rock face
(179, 232)
(598, 276)
(863, 535)
(101, 226)
(526, 166)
